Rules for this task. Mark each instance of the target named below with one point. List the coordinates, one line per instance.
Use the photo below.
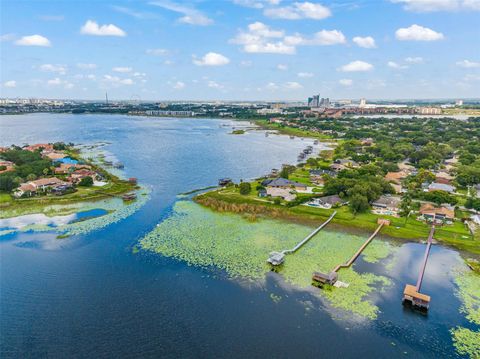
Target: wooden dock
(277, 258)
(411, 294)
(319, 278)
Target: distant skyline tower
(106, 98)
(363, 102)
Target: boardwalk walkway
(277, 258)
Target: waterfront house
(284, 193)
(386, 205)
(53, 155)
(441, 187)
(320, 278)
(39, 146)
(77, 175)
(327, 202)
(428, 212)
(283, 183)
(40, 185)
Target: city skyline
(240, 50)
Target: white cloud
(92, 28)
(179, 85)
(157, 52)
(367, 42)
(260, 38)
(214, 84)
(256, 4)
(10, 84)
(305, 74)
(122, 69)
(116, 81)
(356, 66)
(59, 82)
(212, 59)
(299, 10)
(246, 63)
(468, 64)
(134, 13)
(418, 33)
(346, 82)
(190, 15)
(414, 60)
(60, 69)
(292, 85)
(395, 65)
(438, 5)
(86, 66)
(33, 40)
(282, 67)
(272, 86)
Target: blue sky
(240, 49)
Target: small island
(35, 176)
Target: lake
(93, 296)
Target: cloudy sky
(240, 49)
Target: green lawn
(456, 235)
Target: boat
(292, 137)
(129, 196)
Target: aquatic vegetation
(465, 340)
(116, 208)
(230, 242)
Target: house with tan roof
(428, 212)
(40, 185)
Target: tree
(284, 173)
(86, 182)
(45, 171)
(245, 188)
(31, 177)
(358, 203)
(405, 205)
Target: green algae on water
(205, 238)
(467, 341)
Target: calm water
(92, 297)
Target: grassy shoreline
(456, 236)
(264, 124)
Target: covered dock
(319, 278)
(411, 293)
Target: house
(386, 205)
(441, 187)
(283, 183)
(53, 155)
(24, 189)
(286, 194)
(8, 166)
(322, 172)
(347, 162)
(396, 177)
(40, 185)
(337, 167)
(39, 146)
(327, 202)
(429, 212)
(443, 177)
(320, 278)
(65, 168)
(78, 175)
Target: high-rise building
(325, 103)
(314, 101)
(459, 103)
(363, 102)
